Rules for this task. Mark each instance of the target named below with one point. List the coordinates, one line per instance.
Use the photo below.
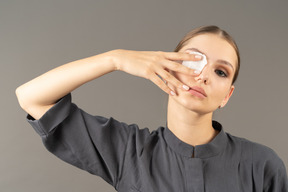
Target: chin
(194, 104)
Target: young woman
(192, 153)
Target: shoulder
(261, 156)
(141, 137)
(259, 152)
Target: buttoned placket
(194, 155)
(194, 175)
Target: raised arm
(41, 93)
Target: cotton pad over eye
(196, 65)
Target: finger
(157, 81)
(167, 77)
(179, 56)
(178, 67)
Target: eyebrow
(219, 60)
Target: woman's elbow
(20, 97)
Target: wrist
(106, 60)
(113, 58)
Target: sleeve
(275, 178)
(269, 169)
(92, 143)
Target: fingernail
(185, 87)
(197, 72)
(198, 57)
(172, 93)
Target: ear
(226, 99)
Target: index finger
(179, 56)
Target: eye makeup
(205, 58)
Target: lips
(198, 91)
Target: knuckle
(158, 81)
(176, 66)
(166, 76)
(149, 66)
(158, 56)
(164, 87)
(147, 72)
(180, 56)
(176, 82)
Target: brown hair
(214, 30)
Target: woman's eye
(220, 73)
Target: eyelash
(221, 73)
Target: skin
(189, 117)
(37, 96)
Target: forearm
(41, 93)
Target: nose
(203, 77)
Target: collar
(210, 149)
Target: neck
(189, 126)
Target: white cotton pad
(196, 65)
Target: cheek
(221, 90)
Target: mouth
(197, 91)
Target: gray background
(36, 36)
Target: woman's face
(215, 79)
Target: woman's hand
(153, 65)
